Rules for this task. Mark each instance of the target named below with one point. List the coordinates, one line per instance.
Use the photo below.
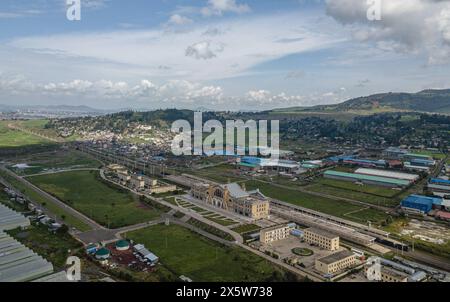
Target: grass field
(186, 253)
(246, 228)
(46, 203)
(54, 160)
(325, 205)
(13, 138)
(221, 173)
(434, 154)
(367, 193)
(86, 192)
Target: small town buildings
(321, 238)
(336, 263)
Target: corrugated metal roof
(368, 177)
(10, 219)
(440, 181)
(388, 174)
(18, 263)
(235, 190)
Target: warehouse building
(367, 179)
(355, 161)
(438, 188)
(423, 162)
(394, 153)
(420, 204)
(276, 233)
(336, 263)
(389, 174)
(20, 264)
(10, 219)
(146, 254)
(415, 156)
(269, 165)
(439, 185)
(321, 238)
(411, 167)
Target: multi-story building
(137, 182)
(336, 263)
(124, 177)
(275, 233)
(321, 238)
(232, 197)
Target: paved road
(61, 171)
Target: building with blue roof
(420, 204)
(422, 162)
(439, 181)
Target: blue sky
(219, 54)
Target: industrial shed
(421, 204)
(10, 219)
(20, 264)
(367, 179)
(389, 174)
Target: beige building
(336, 263)
(137, 182)
(275, 233)
(323, 239)
(123, 177)
(232, 197)
(388, 274)
(162, 188)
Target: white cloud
(219, 7)
(177, 19)
(241, 45)
(412, 26)
(203, 50)
(179, 93)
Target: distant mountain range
(52, 108)
(437, 101)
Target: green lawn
(106, 204)
(59, 159)
(246, 228)
(13, 138)
(367, 193)
(434, 154)
(186, 253)
(222, 173)
(46, 203)
(325, 205)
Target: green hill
(437, 101)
